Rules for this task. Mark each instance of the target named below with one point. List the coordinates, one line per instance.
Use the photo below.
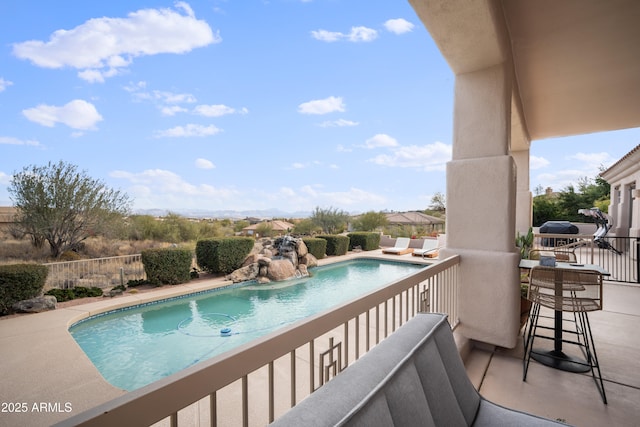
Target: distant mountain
(223, 214)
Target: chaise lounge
(415, 377)
(400, 248)
(429, 249)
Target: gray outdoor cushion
(415, 377)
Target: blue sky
(245, 105)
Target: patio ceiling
(577, 62)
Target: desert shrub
(74, 293)
(167, 266)
(137, 282)
(366, 241)
(337, 244)
(69, 256)
(19, 282)
(223, 255)
(317, 247)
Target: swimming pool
(136, 346)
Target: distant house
(416, 219)
(278, 227)
(7, 218)
(624, 209)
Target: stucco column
(481, 207)
(524, 199)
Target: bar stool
(564, 290)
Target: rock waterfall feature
(274, 260)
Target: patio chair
(429, 249)
(400, 248)
(564, 290)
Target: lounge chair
(429, 249)
(401, 247)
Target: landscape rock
(244, 274)
(309, 260)
(301, 248)
(36, 305)
(281, 269)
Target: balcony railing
(258, 381)
(621, 260)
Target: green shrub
(167, 266)
(137, 282)
(366, 240)
(19, 282)
(74, 293)
(317, 247)
(62, 294)
(337, 244)
(223, 255)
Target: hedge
(223, 255)
(167, 266)
(337, 244)
(20, 282)
(317, 247)
(74, 293)
(366, 240)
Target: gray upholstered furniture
(415, 377)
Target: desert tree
(438, 202)
(58, 204)
(331, 220)
(370, 221)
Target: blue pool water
(134, 347)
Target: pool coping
(42, 363)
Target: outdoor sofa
(415, 377)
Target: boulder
(36, 305)
(250, 259)
(245, 273)
(263, 280)
(309, 260)
(301, 248)
(281, 269)
(264, 261)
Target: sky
(245, 105)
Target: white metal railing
(98, 272)
(258, 381)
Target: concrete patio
(41, 363)
(568, 397)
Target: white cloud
(158, 187)
(381, 140)
(204, 164)
(4, 84)
(217, 110)
(362, 34)
(398, 26)
(342, 149)
(593, 160)
(322, 106)
(103, 47)
(298, 165)
(9, 140)
(77, 114)
(431, 157)
(326, 36)
(4, 178)
(536, 162)
(190, 130)
(357, 34)
(172, 110)
(338, 123)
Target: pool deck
(47, 374)
(42, 364)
